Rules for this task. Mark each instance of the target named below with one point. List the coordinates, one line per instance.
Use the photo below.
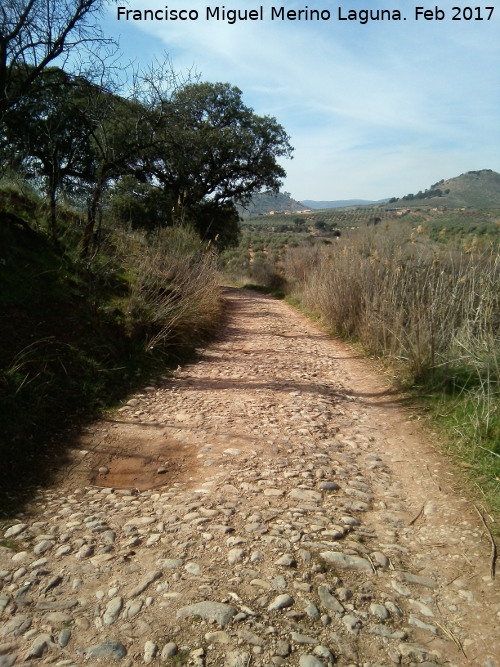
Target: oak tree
(211, 145)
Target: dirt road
(271, 504)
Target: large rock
(113, 609)
(346, 562)
(281, 602)
(328, 600)
(110, 650)
(209, 611)
(142, 585)
(13, 531)
(307, 495)
(310, 661)
(235, 659)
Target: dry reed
(175, 294)
(407, 300)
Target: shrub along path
(295, 515)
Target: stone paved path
(298, 518)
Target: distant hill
(474, 189)
(338, 203)
(263, 203)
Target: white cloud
(372, 110)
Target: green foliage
(217, 223)
(143, 206)
(10, 544)
(139, 204)
(468, 421)
(213, 145)
(184, 154)
(428, 194)
(46, 136)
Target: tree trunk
(88, 239)
(52, 204)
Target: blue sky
(373, 111)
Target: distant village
(301, 210)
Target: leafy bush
(265, 271)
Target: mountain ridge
(473, 189)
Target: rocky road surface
(269, 505)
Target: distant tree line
(153, 147)
(433, 191)
(427, 194)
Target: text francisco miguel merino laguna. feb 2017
(281, 13)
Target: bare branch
(35, 33)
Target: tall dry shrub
(434, 313)
(175, 294)
(399, 296)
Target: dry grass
(434, 314)
(425, 308)
(174, 294)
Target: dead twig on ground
(493, 545)
(451, 636)
(489, 451)
(417, 516)
(432, 477)
(373, 566)
(466, 558)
